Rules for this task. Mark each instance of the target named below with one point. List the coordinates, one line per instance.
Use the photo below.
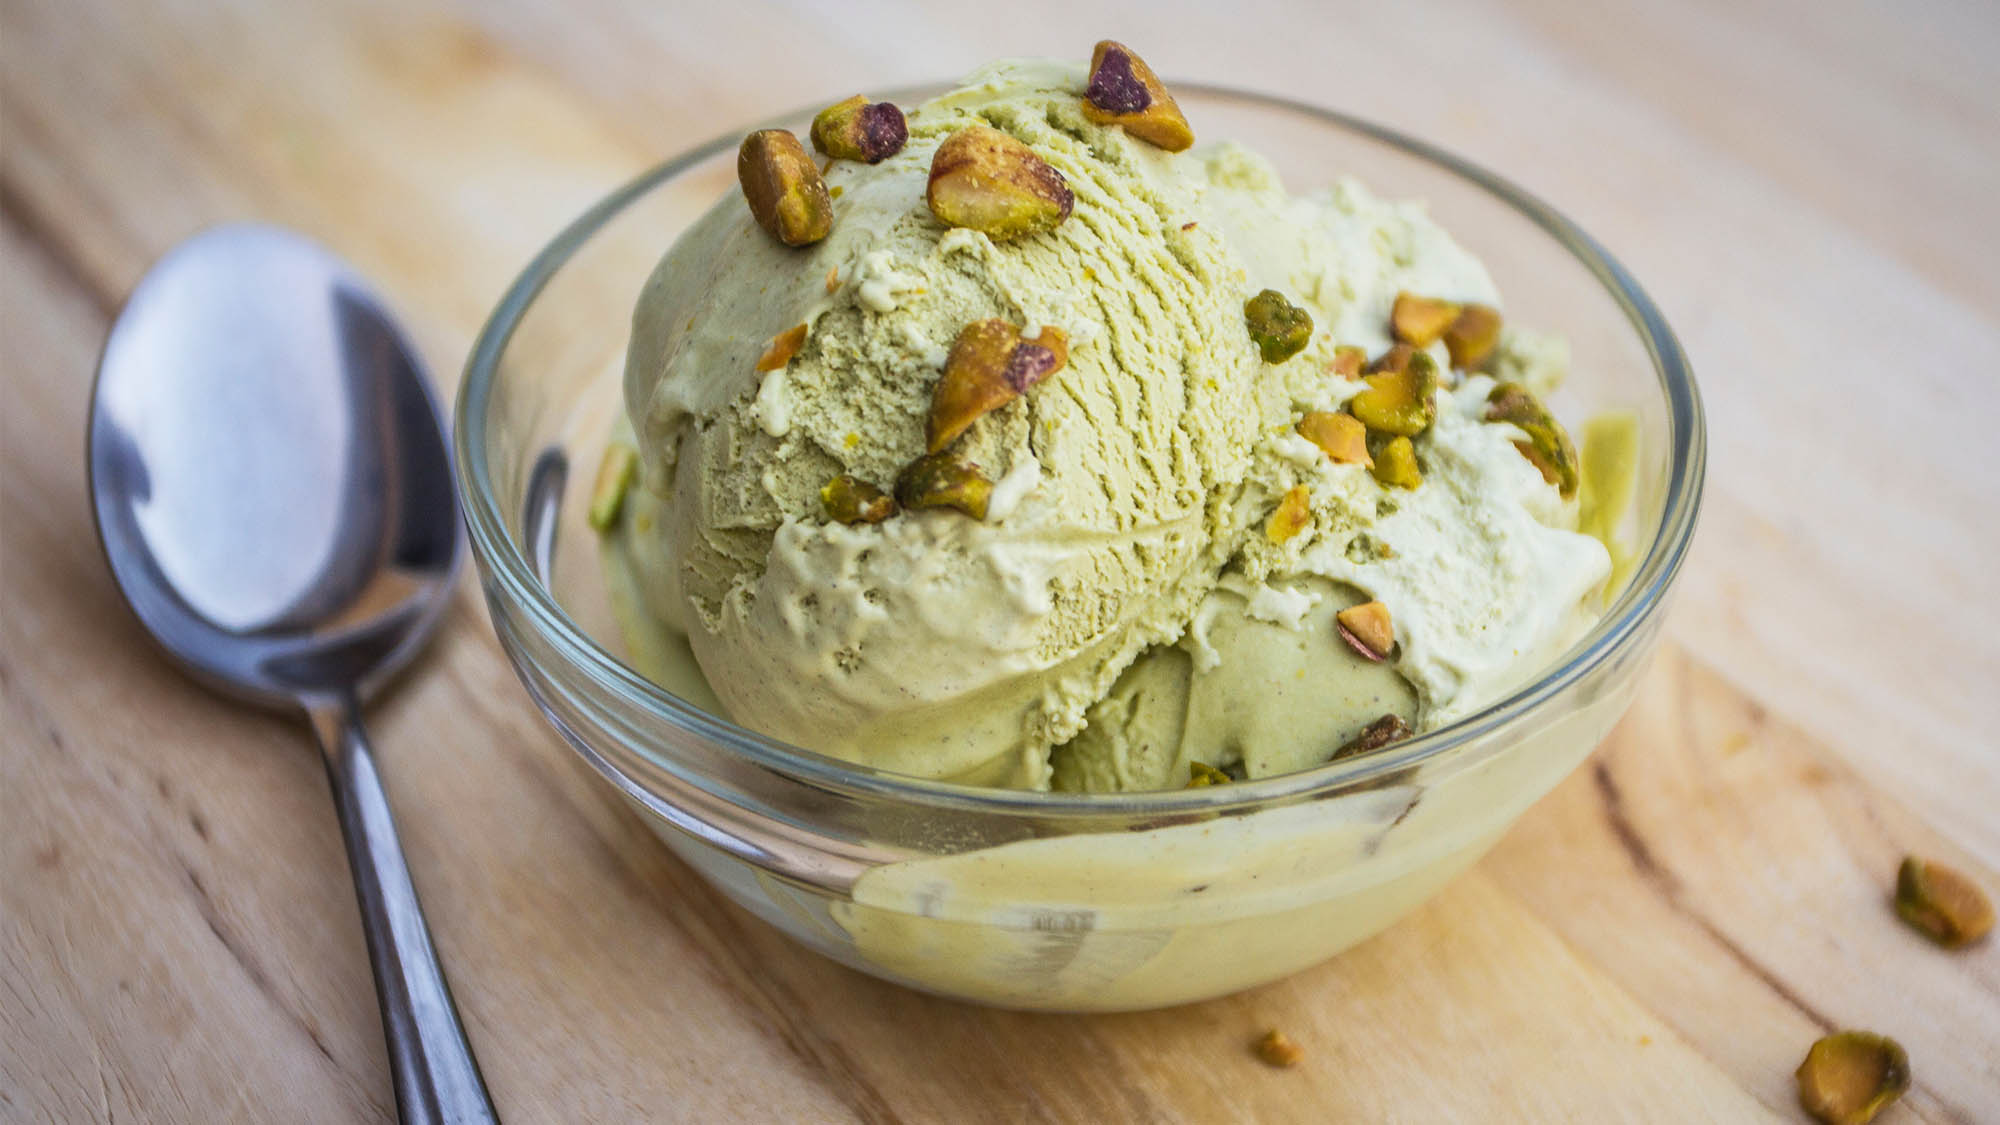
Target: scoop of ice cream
(1120, 612)
(933, 643)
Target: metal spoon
(273, 493)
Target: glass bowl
(1048, 900)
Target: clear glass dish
(1048, 900)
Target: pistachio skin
(1382, 732)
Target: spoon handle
(437, 1079)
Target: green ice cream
(1119, 613)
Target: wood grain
(1807, 189)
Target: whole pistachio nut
(858, 129)
(1124, 91)
(1399, 402)
(1279, 328)
(1341, 437)
(1383, 731)
(1396, 463)
(1850, 1076)
(1942, 904)
(850, 500)
(1548, 447)
(983, 179)
(1419, 321)
(1293, 513)
(614, 479)
(1367, 630)
(939, 480)
(1472, 336)
(989, 366)
(783, 185)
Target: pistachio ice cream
(1026, 443)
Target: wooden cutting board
(1807, 188)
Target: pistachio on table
(783, 185)
(1383, 731)
(1942, 904)
(989, 365)
(1548, 446)
(857, 129)
(1472, 336)
(1124, 91)
(939, 480)
(615, 474)
(1341, 437)
(1367, 630)
(1279, 328)
(783, 347)
(1420, 321)
(1276, 1048)
(983, 179)
(1396, 463)
(1293, 513)
(851, 500)
(1849, 1077)
(1399, 402)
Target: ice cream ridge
(1016, 440)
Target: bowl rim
(509, 572)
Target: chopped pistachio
(615, 474)
(1201, 775)
(857, 130)
(783, 347)
(1419, 321)
(1340, 436)
(1276, 1048)
(1399, 402)
(1279, 328)
(986, 180)
(1548, 446)
(787, 196)
(938, 480)
(849, 499)
(1850, 1076)
(1293, 513)
(1388, 729)
(832, 279)
(989, 366)
(1396, 463)
(1942, 904)
(1124, 91)
(1395, 359)
(1472, 336)
(1348, 360)
(1367, 630)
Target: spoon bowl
(269, 471)
(272, 489)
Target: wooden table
(1808, 189)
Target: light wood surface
(1807, 188)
